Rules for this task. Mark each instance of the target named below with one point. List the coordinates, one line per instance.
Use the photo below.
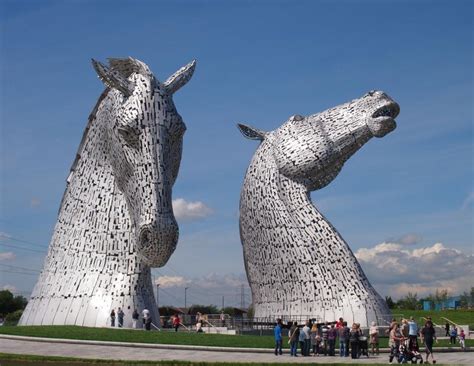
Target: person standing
(146, 316)
(324, 337)
(222, 317)
(404, 329)
(177, 322)
(446, 328)
(278, 337)
(120, 315)
(112, 318)
(314, 339)
(134, 319)
(462, 339)
(374, 338)
(294, 335)
(344, 340)
(307, 338)
(412, 331)
(354, 340)
(453, 334)
(394, 341)
(301, 339)
(332, 335)
(428, 335)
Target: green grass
(462, 317)
(140, 336)
(164, 337)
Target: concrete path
(116, 352)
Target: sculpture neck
(92, 265)
(93, 210)
(289, 250)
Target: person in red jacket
(176, 322)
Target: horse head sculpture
(296, 262)
(313, 149)
(144, 134)
(116, 218)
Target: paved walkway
(111, 352)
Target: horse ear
(251, 132)
(180, 78)
(113, 79)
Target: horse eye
(130, 135)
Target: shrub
(13, 318)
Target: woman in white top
(374, 338)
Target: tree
(409, 302)
(166, 311)
(467, 299)
(390, 302)
(250, 312)
(10, 303)
(441, 296)
(229, 310)
(203, 309)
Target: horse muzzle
(157, 241)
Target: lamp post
(185, 289)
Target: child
(462, 340)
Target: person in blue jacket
(278, 337)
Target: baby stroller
(363, 346)
(414, 354)
(403, 355)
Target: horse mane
(126, 67)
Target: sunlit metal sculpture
(297, 263)
(116, 220)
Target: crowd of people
(175, 320)
(318, 339)
(146, 317)
(452, 333)
(315, 339)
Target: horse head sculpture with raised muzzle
(297, 263)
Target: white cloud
(215, 280)
(189, 211)
(171, 281)
(395, 270)
(208, 281)
(4, 236)
(11, 288)
(4, 256)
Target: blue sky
(258, 62)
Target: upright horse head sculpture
(116, 218)
(297, 263)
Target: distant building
(451, 303)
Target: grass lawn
(164, 337)
(462, 317)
